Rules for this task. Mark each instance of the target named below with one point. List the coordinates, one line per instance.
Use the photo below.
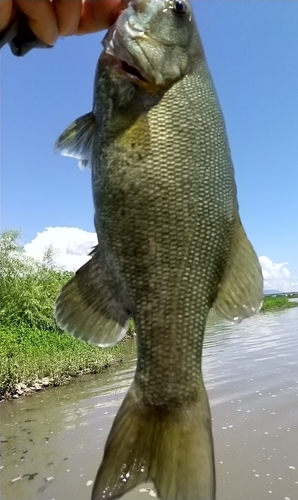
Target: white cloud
(277, 276)
(73, 245)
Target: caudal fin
(172, 447)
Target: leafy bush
(31, 344)
(28, 288)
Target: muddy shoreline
(22, 389)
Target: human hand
(49, 19)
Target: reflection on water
(52, 442)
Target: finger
(6, 13)
(98, 15)
(41, 19)
(68, 13)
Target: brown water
(52, 442)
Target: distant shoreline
(278, 303)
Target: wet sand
(52, 442)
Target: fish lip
(114, 46)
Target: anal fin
(241, 291)
(88, 309)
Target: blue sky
(252, 52)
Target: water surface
(52, 442)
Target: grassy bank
(277, 304)
(28, 356)
(34, 352)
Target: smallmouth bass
(170, 244)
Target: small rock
(20, 392)
(89, 482)
(50, 478)
(36, 386)
(15, 396)
(45, 381)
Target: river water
(52, 442)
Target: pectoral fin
(76, 140)
(241, 290)
(89, 309)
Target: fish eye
(180, 6)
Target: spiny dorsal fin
(76, 140)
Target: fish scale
(170, 245)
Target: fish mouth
(128, 70)
(115, 45)
(126, 66)
(132, 72)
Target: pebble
(20, 386)
(37, 385)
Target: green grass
(277, 304)
(31, 344)
(28, 354)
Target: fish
(171, 244)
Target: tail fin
(172, 447)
